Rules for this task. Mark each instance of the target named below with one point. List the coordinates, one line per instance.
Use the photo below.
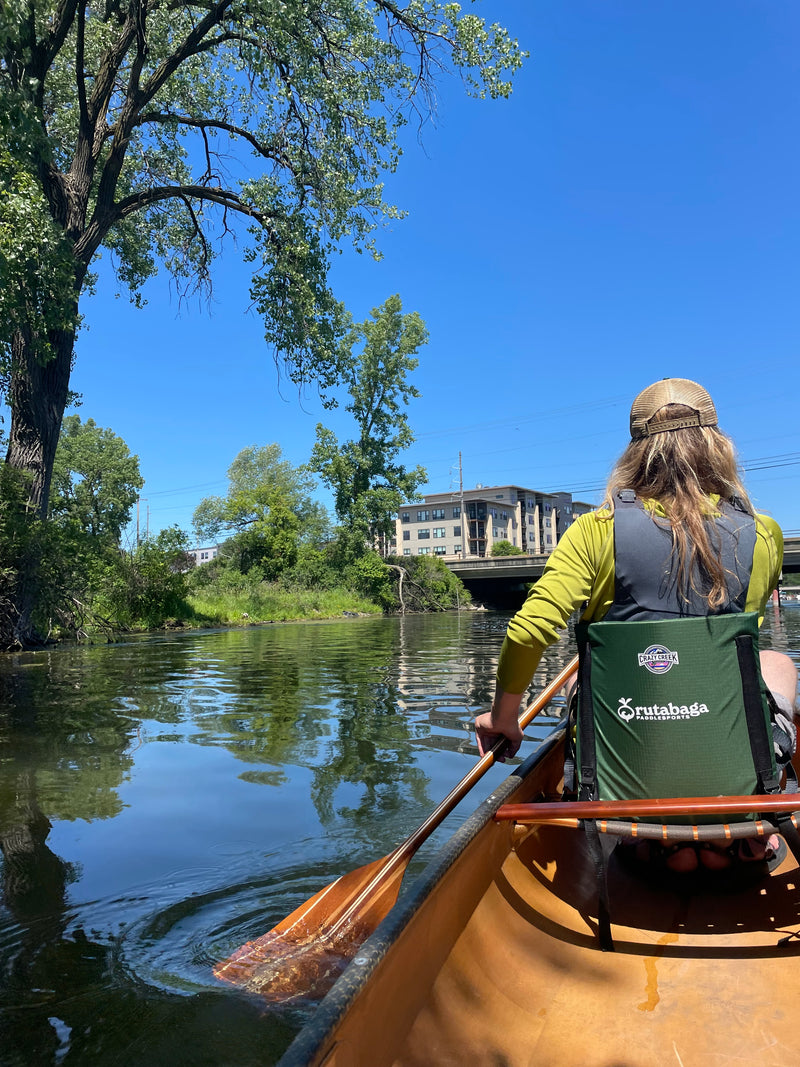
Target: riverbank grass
(271, 603)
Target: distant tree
(149, 128)
(96, 480)
(368, 482)
(269, 508)
(505, 548)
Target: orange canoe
(492, 958)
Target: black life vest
(648, 583)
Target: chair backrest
(673, 708)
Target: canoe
(492, 957)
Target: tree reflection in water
(165, 800)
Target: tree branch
(224, 197)
(264, 150)
(95, 232)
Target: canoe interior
(494, 960)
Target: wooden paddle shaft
(388, 874)
(425, 829)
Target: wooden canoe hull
(492, 958)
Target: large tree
(149, 127)
(96, 480)
(368, 481)
(268, 508)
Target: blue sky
(630, 213)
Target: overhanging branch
(263, 149)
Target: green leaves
(268, 505)
(37, 271)
(368, 484)
(95, 480)
(159, 131)
(148, 130)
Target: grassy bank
(272, 603)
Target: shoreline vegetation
(282, 559)
(155, 590)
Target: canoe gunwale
(308, 1047)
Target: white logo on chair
(659, 712)
(658, 659)
(625, 711)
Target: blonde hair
(681, 469)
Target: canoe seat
(774, 813)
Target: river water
(165, 800)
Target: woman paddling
(686, 519)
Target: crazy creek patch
(658, 659)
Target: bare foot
(683, 860)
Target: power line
(189, 488)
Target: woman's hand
(500, 722)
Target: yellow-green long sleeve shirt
(581, 571)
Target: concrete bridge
(502, 580)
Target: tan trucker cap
(671, 391)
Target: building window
(456, 531)
(440, 550)
(437, 513)
(439, 531)
(424, 551)
(406, 535)
(423, 535)
(457, 549)
(406, 551)
(405, 517)
(499, 496)
(456, 513)
(422, 516)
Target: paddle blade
(306, 952)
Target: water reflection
(166, 800)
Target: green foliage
(243, 601)
(261, 482)
(173, 119)
(149, 585)
(67, 567)
(155, 131)
(370, 576)
(369, 484)
(269, 506)
(37, 270)
(505, 548)
(312, 569)
(428, 584)
(407, 583)
(95, 480)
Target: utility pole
(137, 521)
(464, 518)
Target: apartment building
(203, 555)
(469, 523)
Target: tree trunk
(37, 397)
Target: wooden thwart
(555, 811)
